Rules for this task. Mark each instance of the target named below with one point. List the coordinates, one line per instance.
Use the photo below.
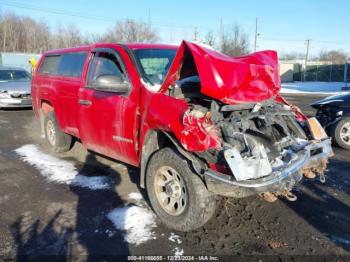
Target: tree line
(27, 35)
(24, 34)
(333, 56)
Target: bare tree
(90, 38)
(23, 34)
(234, 41)
(291, 56)
(67, 37)
(334, 56)
(210, 38)
(131, 31)
(195, 36)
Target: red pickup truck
(197, 122)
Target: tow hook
(272, 197)
(312, 173)
(289, 195)
(322, 178)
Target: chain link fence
(321, 73)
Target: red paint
(251, 78)
(199, 134)
(116, 125)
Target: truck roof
(132, 46)
(150, 46)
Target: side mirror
(111, 83)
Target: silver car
(14, 87)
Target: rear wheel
(340, 133)
(177, 195)
(58, 140)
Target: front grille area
(21, 96)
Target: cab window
(50, 65)
(72, 64)
(67, 64)
(104, 63)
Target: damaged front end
(257, 148)
(265, 151)
(245, 138)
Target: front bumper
(309, 156)
(15, 102)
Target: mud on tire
(338, 130)
(58, 140)
(196, 204)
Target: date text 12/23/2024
(173, 258)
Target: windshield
(155, 63)
(14, 75)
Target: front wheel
(340, 133)
(177, 195)
(58, 140)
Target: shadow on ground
(90, 236)
(322, 207)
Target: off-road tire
(335, 133)
(62, 142)
(201, 203)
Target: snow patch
(293, 91)
(135, 196)
(326, 88)
(136, 222)
(175, 238)
(58, 170)
(109, 233)
(153, 88)
(178, 251)
(204, 45)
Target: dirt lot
(40, 216)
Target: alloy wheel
(345, 133)
(51, 132)
(170, 190)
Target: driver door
(104, 117)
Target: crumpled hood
(16, 86)
(250, 78)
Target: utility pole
(149, 18)
(195, 34)
(256, 34)
(306, 56)
(346, 74)
(221, 35)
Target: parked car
(198, 123)
(14, 87)
(333, 113)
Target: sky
(283, 25)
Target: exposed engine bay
(254, 142)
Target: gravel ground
(43, 217)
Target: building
(18, 60)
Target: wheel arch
(157, 139)
(46, 106)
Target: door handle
(85, 102)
